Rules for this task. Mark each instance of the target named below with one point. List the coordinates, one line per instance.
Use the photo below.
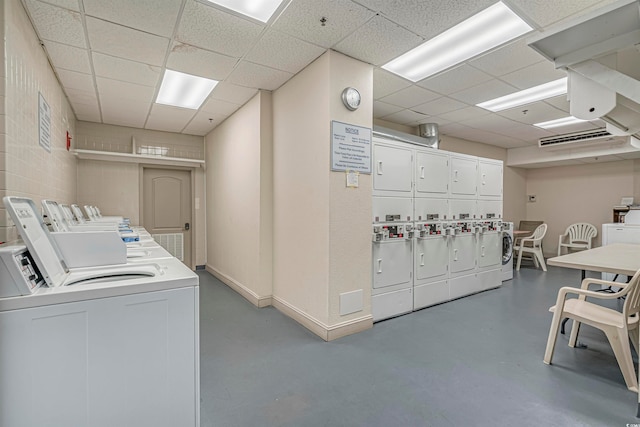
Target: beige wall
(581, 193)
(322, 230)
(115, 186)
(26, 169)
(239, 200)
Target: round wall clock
(351, 98)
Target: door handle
(186, 226)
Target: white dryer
(507, 251)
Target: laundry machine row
(421, 263)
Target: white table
(618, 258)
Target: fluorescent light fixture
(256, 9)
(527, 96)
(184, 90)
(485, 30)
(565, 121)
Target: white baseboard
(326, 332)
(247, 293)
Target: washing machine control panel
(19, 274)
(384, 232)
(425, 229)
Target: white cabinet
(430, 209)
(432, 170)
(489, 250)
(619, 233)
(121, 361)
(463, 176)
(487, 209)
(392, 171)
(462, 254)
(489, 179)
(387, 209)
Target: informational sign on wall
(44, 119)
(350, 148)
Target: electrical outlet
(532, 198)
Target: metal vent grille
(173, 243)
(574, 137)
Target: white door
(432, 171)
(167, 209)
(431, 209)
(489, 179)
(462, 253)
(391, 263)
(392, 170)
(463, 177)
(490, 250)
(432, 257)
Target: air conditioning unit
(579, 139)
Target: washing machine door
(507, 248)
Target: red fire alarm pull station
(68, 141)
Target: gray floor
(476, 361)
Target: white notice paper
(350, 148)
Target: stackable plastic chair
(577, 236)
(532, 245)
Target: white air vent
(571, 140)
(173, 243)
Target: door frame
(192, 223)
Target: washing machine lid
(37, 238)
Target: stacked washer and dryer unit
(437, 226)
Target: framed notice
(350, 148)
(44, 123)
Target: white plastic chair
(577, 236)
(617, 326)
(535, 247)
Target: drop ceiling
(110, 57)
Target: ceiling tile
(254, 75)
(200, 124)
(439, 106)
(302, 19)
(533, 113)
(75, 80)
(464, 114)
(283, 52)
(77, 96)
(67, 4)
(410, 97)
(57, 24)
(548, 12)
(87, 112)
(116, 89)
(378, 41)
(560, 102)
(427, 18)
(381, 109)
(385, 83)
(233, 93)
(491, 123)
(404, 116)
(169, 119)
(483, 92)
(485, 137)
(123, 42)
(131, 113)
(125, 70)
(193, 60)
(507, 59)
(455, 80)
(68, 57)
(212, 29)
(216, 106)
(437, 120)
(534, 75)
(135, 14)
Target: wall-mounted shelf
(137, 158)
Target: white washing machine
(507, 251)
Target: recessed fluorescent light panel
(565, 121)
(485, 30)
(527, 96)
(256, 9)
(184, 90)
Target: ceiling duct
(428, 138)
(599, 53)
(582, 139)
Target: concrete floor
(476, 361)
